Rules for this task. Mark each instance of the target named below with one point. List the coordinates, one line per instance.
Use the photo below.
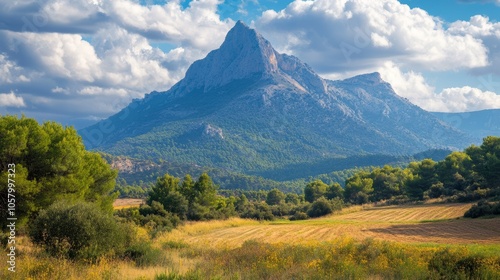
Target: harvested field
(412, 213)
(395, 223)
(122, 203)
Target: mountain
(247, 108)
(478, 124)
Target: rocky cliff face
(126, 165)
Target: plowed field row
(414, 213)
(401, 224)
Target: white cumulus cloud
(340, 35)
(340, 38)
(197, 26)
(11, 100)
(413, 86)
(466, 99)
(10, 72)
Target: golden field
(390, 242)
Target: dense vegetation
(136, 183)
(51, 164)
(64, 196)
(465, 176)
(471, 175)
(60, 193)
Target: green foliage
(167, 193)
(258, 211)
(388, 182)
(483, 208)
(462, 176)
(456, 264)
(314, 190)
(320, 207)
(358, 187)
(292, 198)
(79, 231)
(453, 170)
(152, 217)
(51, 164)
(144, 254)
(424, 176)
(299, 216)
(486, 159)
(191, 200)
(275, 197)
(334, 191)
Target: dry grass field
(122, 203)
(347, 245)
(435, 223)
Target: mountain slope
(245, 107)
(478, 124)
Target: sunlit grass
(330, 247)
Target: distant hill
(247, 108)
(292, 179)
(478, 124)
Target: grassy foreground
(404, 242)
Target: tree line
(66, 192)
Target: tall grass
(343, 258)
(347, 258)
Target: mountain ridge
(249, 108)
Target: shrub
(258, 211)
(79, 231)
(483, 208)
(299, 216)
(450, 264)
(144, 254)
(320, 207)
(155, 218)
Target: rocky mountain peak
(244, 54)
(246, 107)
(370, 78)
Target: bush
(154, 218)
(299, 216)
(320, 207)
(79, 231)
(450, 264)
(144, 254)
(483, 208)
(258, 211)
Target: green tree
(187, 188)
(320, 207)
(358, 188)
(51, 164)
(314, 190)
(292, 198)
(424, 176)
(205, 191)
(275, 197)
(335, 191)
(486, 159)
(387, 182)
(166, 192)
(241, 203)
(454, 171)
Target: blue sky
(78, 61)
